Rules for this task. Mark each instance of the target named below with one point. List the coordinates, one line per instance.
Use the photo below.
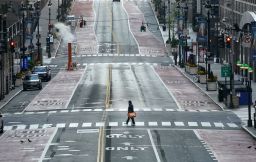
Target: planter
(211, 86)
(192, 70)
(202, 79)
(187, 69)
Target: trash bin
(243, 94)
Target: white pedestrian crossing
(166, 124)
(86, 124)
(179, 124)
(61, 125)
(73, 125)
(191, 124)
(19, 127)
(217, 124)
(152, 124)
(206, 124)
(34, 126)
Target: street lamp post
(208, 6)
(49, 30)
(39, 54)
(249, 90)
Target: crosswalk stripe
(52, 112)
(170, 110)
(86, 124)
(218, 124)
(87, 109)
(179, 123)
(6, 128)
(140, 123)
(33, 126)
(73, 125)
(98, 109)
(47, 125)
(206, 124)
(28, 113)
(192, 124)
(61, 125)
(158, 109)
(232, 125)
(41, 112)
(109, 109)
(113, 124)
(146, 109)
(75, 110)
(122, 109)
(100, 124)
(64, 111)
(166, 124)
(152, 124)
(19, 127)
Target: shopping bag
(132, 114)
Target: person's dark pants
(128, 119)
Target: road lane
(91, 91)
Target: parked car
(44, 72)
(32, 81)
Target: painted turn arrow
(128, 157)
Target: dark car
(116, 0)
(44, 72)
(32, 81)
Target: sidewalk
(242, 111)
(43, 23)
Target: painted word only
(126, 148)
(124, 136)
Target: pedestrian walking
(1, 123)
(131, 113)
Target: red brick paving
(186, 93)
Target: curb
(248, 131)
(10, 99)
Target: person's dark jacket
(130, 108)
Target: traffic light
(228, 41)
(12, 46)
(221, 42)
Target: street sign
(225, 71)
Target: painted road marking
(87, 109)
(116, 124)
(179, 124)
(152, 124)
(61, 125)
(33, 126)
(64, 111)
(170, 110)
(153, 146)
(218, 124)
(166, 124)
(86, 124)
(206, 124)
(109, 109)
(139, 123)
(192, 124)
(19, 127)
(100, 124)
(113, 124)
(73, 125)
(6, 128)
(232, 125)
(146, 109)
(75, 110)
(47, 125)
(98, 109)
